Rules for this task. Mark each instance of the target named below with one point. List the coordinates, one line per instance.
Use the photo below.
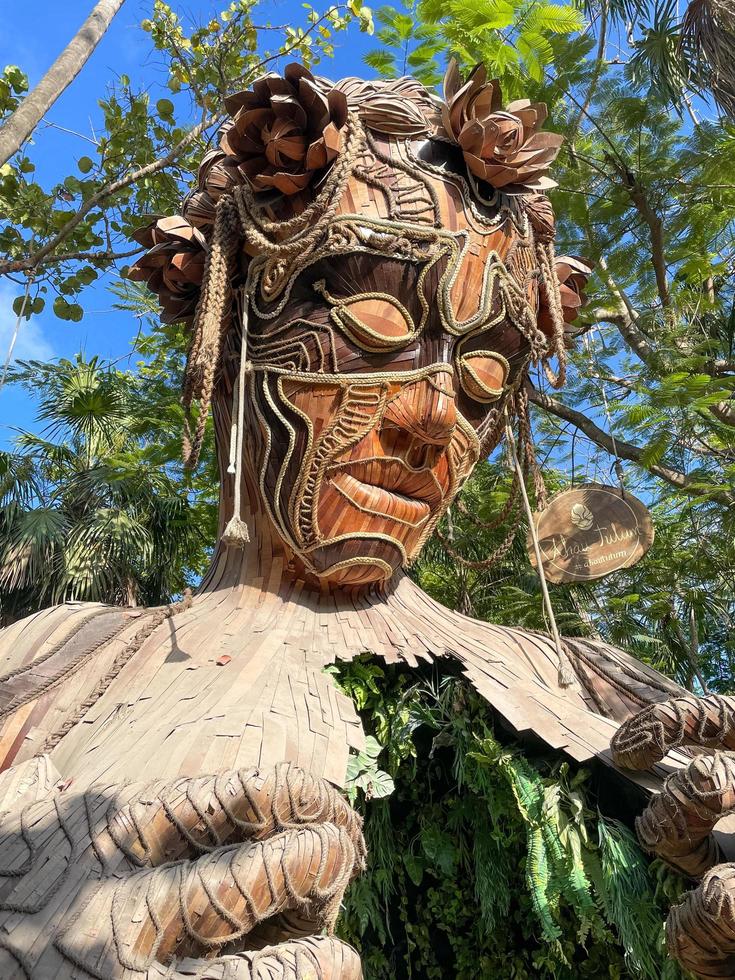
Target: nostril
(422, 455)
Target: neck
(255, 603)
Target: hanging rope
(549, 282)
(594, 361)
(210, 325)
(236, 533)
(567, 677)
(525, 435)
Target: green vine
(486, 860)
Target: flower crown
(286, 132)
(289, 142)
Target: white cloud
(31, 342)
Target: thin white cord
(16, 331)
(567, 677)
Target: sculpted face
(383, 353)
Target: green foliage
(92, 509)
(486, 861)
(144, 157)
(13, 86)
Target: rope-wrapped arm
(689, 720)
(678, 823)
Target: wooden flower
(285, 130)
(173, 266)
(218, 175)
(572, 273)
(501, 146)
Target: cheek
(318, 403)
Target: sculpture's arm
(143, 880)
(677, 824)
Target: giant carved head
(369, 273)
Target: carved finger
(645, 738)
(318, 958)
(700, 932)
(677, 824)
(192, 907)
(167, 822)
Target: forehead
(410, 270)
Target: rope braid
(549, 283)
(210, 324)
(528, 450)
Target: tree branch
(107, 255)
(60, 75)
(640, 201)
(625, 450)
(626, 319)
(107, 191)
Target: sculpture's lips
(388, 488)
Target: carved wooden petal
(337, 107)
(570, 302)
(286, 107)
(315, 105)
(270, 85)
(284, 141)
(484, 102)
(240, 100)
(323, 150)
(187, 267)
(452, 80)
(199, 209)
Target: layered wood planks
(237, 679)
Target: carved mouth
(388, 488)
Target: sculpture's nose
(425, 409)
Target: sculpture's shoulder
(51, 663)
(519, 673)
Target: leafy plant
(92, 508)
(489, 860)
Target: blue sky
(33, 34)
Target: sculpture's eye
(483, 374)
(377, 322)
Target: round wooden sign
(588, 532)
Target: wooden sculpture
(368, 272)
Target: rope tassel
(236, 533)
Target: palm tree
(88, 509)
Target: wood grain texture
(385, 336)
(590, 531)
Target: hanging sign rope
(588, 532)
(566, 674)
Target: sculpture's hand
(677, 824)
(158, 881)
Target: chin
(356, 561)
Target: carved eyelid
(471, 380)
(384, 310)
